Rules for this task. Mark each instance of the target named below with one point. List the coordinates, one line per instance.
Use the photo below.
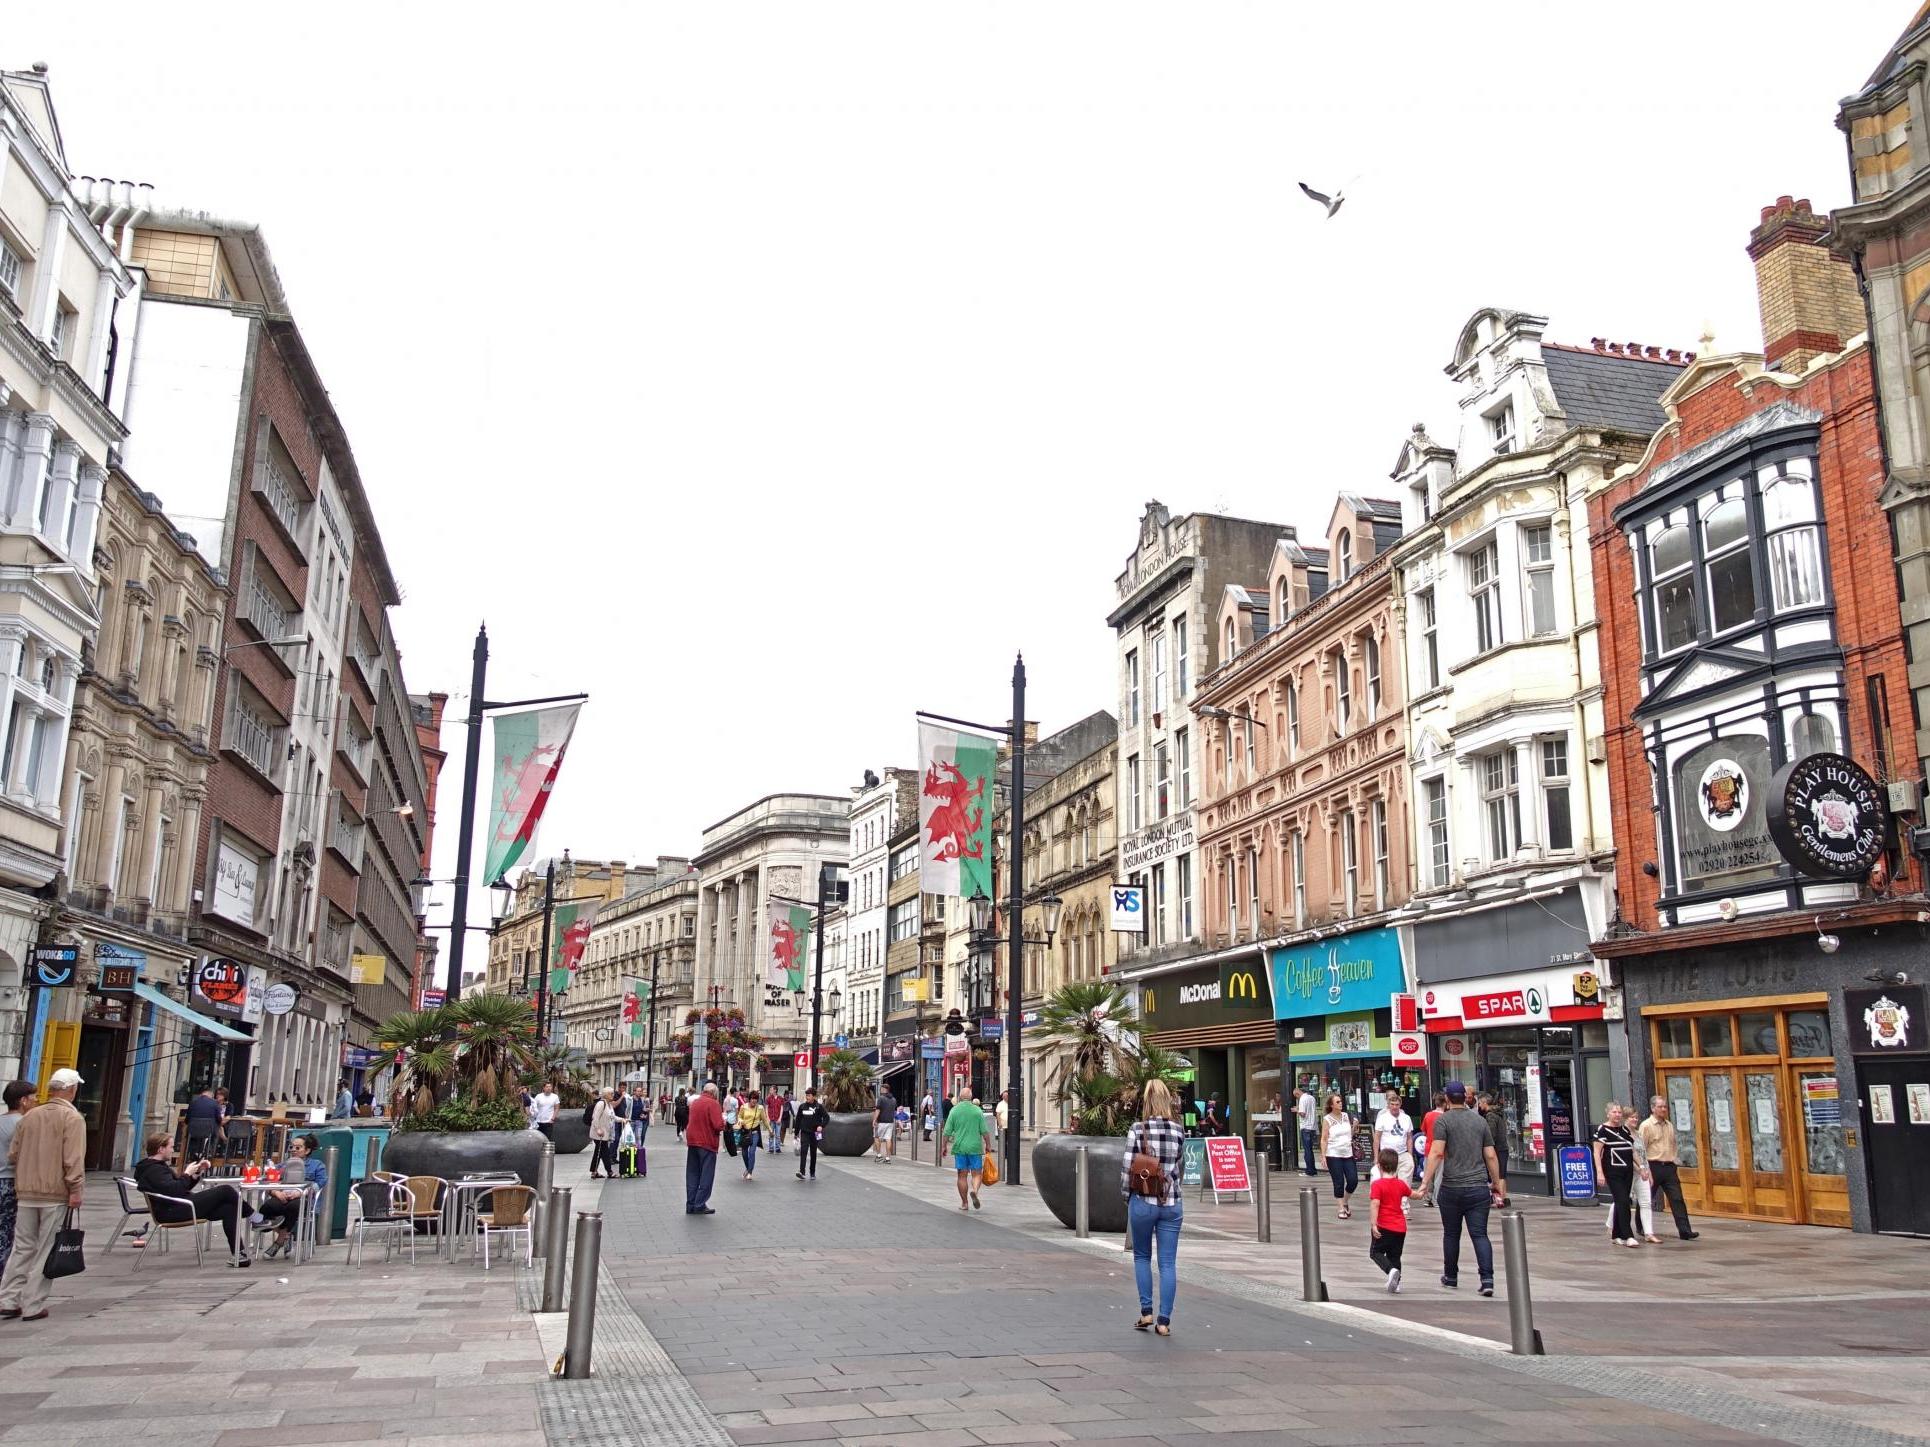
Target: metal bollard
(1081, 1207)
(556, 1226)
(1312, 1288)
(1521, 1306)
(374, 1161)
(582, 1326)
(1262, 1198)
(545, 1177)
(325, 1207)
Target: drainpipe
(1587, 812)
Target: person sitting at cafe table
(282, 1209)
(155, 1175)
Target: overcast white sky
(770, 371)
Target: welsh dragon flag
(790, 946)
(529, 751)
(636, 996)
(955, 811)
(569, 935)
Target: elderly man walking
(702, 1135)
(49, 1154)
(965, 1134)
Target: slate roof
(1597, 389)
(1378, 508)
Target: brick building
(1757, 714)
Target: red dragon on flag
(959, 814)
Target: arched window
(1343, 556)
(1283, 599)
(1795, 551)
(1343, 691)
(1232, 639)
(1672, 588)
(1729, 567)
(1373, 676)
(1293, 718)
(1812, 733)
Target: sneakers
(1449, 1282)
(1487, 1288)
(1394, 1282)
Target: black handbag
(66, 1258)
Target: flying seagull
(1333, 203)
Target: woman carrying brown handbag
(1155, 1153)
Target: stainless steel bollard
(374, 1161)
(1081, 1207)
(1526, 1341)
(325, 1207)
(1312, 1288)
(556, 1226)
(582, 1326)
(545, 1177)
(1262, 1198)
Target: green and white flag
(636, 999)
(529, 751)
(955, 811)
(790, 946)
(569, 937)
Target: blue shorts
(969, 1163)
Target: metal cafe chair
(507, 1211)
(427, 1195)
(386, 1208)
(167, 1228)
(130, 1208)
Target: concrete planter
(451, 1154)
(570, 1134)
(847, 1133)
(1054, 1172)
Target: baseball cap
(1456, 1090)
(64, 1080)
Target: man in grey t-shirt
(1462, 1155)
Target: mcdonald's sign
(1148, 1001)
(1244, 989)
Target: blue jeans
(1307, 1138)
(1147, 1219)
(748, 1147)
(1470, 1204)
(700, 1171)
(1346, 1176)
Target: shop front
(1220, 1018)
(1534, 1037)
(1331, 1002)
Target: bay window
(1501, 803)
(1484, 593)
(1728, 564)
(1538, 579)
(1795, 549)
(1554, 794)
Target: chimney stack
(1808, 298)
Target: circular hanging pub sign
(1826, 815)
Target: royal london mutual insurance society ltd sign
(1827, 816)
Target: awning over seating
(160, 1001)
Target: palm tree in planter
(461, 1064)
(850, 1091)
(1109, 1066)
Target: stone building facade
(649, 935)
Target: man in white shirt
(542, 1108)
(1394, 1131)
(1306, 1110)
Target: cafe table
(252, 1193)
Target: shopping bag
(628, 1138)
(66, 1258)
(990, 1175)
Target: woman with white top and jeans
(1156, 1133)
(1337, 1148)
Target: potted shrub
(731, 1045)
(1110, 1066)
(851, 1094)
(457, 1109)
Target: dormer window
(1344, 556)
(1232, 639)
(1282, 597)
(1501, 428)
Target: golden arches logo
(1242, 985)
(1148, 1001)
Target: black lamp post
(1051, 909)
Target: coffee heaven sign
(1827, 817)
(1353, 972)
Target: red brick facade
(1726, 391)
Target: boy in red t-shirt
(1390, 1195)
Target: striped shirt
(1166, 1142)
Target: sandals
(1145, 1323)
(1162, 1328)
(1346, 1213)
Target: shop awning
(160, 1001)
(893, 1067)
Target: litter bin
(1266, 1141)
(342, 1138)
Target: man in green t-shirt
(965, 1134)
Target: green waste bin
(339, 1136)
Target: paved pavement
(864, 1307)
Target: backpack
(1145, 1176)
(589, 1112)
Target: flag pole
(543, 968)
(1015, 959)
(466, 831)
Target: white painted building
(876, 811)
(1508, 776)
(61, 287)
